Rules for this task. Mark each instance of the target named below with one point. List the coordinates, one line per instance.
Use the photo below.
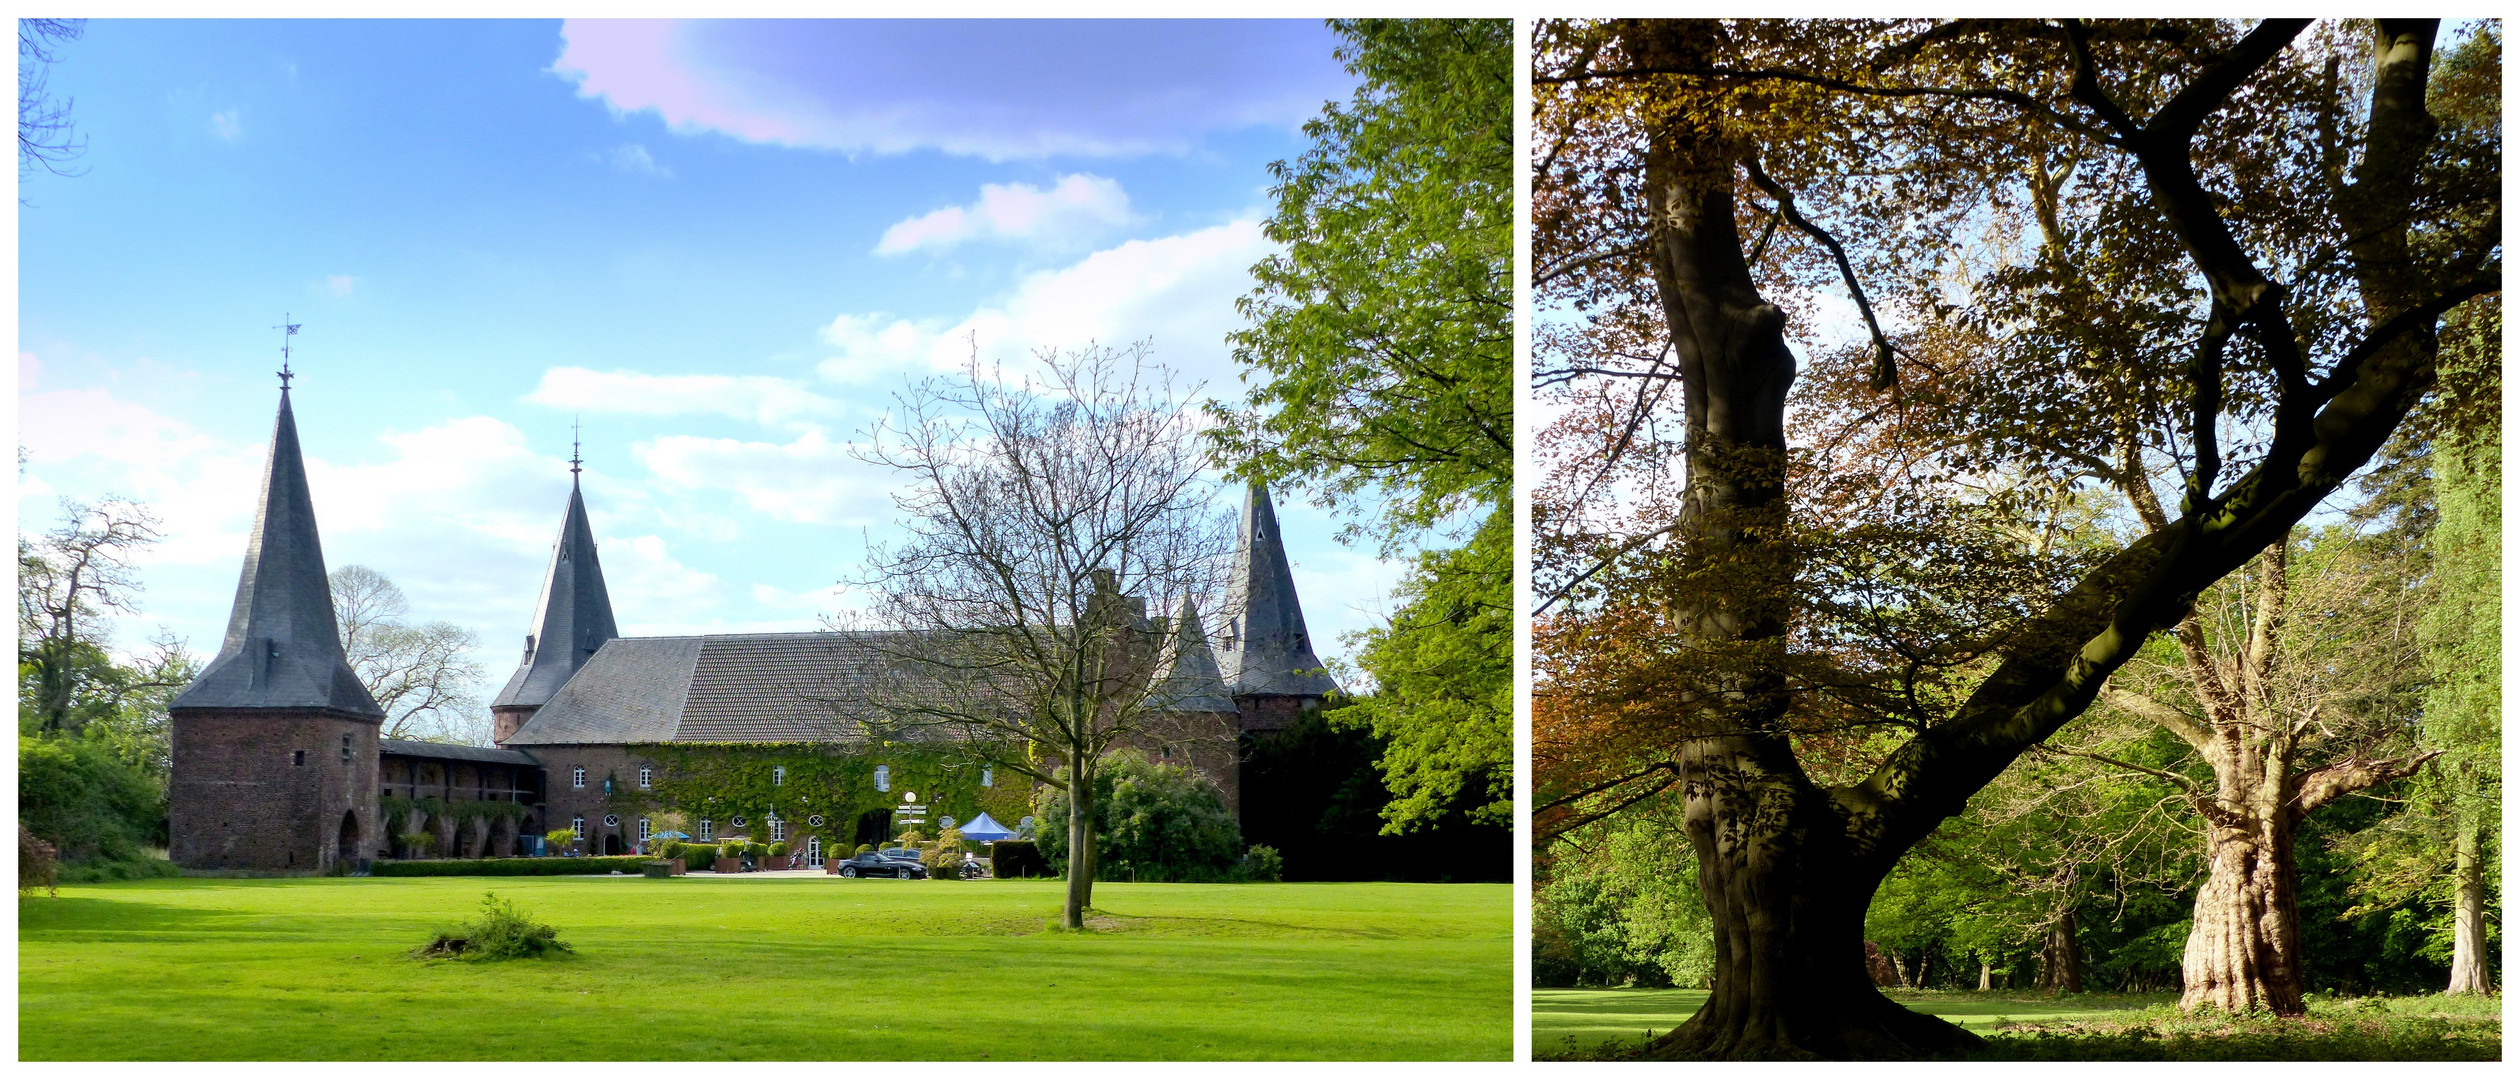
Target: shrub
(944, 857)
(628, 864)
(731, 851)
(864, 849)
(501, 932)
(1017, 859)
(84, 797)
(756, 849)
(1154, 821)
(558, 840)
(36, 869)
(1261, 863)
(779, 850)
(417, 844)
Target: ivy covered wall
(727, 781)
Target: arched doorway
(349, 842)
(612, 843)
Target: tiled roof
(453, 752)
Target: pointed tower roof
(1267, 650)
(573, 618)
(283, 644)
(1192, 682)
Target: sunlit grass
(698, 970)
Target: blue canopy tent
(984, 830)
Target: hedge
(1017, 859)
(628, 864)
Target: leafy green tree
(1154, 822)
(1380, 360)
(84, 796)
(1444, 684)
(1381, 340)
(69, 579)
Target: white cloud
(340, 285)
(811, 479)
(1179, 290)
(634, 159)
(1077, 206)
(1015, 88)
(761, 399)
(225, 125)
(643, 577)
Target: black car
(872, 864)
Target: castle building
(278, 766)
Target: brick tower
(275, 743)
(1266, 656)
(572, 619)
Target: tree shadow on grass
(85, 918)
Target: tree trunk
(2244, 952)
(1986, 974)
(1080, 876)
(1788, 904)
(2467, 950)
(2060, 963)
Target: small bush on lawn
(1261, 863)
(502, 932)
(779, 850)
(628, 864)
(558, 840)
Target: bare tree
(1012, 622)
(424, 677)
(68, 579)
(44, 129)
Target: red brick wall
(238, 800)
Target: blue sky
(720, 247)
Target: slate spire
(1267, 650)
(283, 644)
(1192, 682)
(572, 619)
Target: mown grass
(2031, 1026)
(796, 969)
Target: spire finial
(573, 450)
(287, 330)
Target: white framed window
(815, 821)
(708, 829)
(883, 778)
(778, 775)
(643, 830)
(577, 827)
(813, 851)
(612, 821)
(778, 828)
(988, 778)
(646, 775)
(577, 777)
(738, 822)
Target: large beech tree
(1840, 615)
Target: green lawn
(2081, 1027)
(700, 970)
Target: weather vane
(573, 446)
(287, 330)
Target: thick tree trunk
(2244, 951)
(1986, 974)
(1787, 900)
(2060, 962)
(2467, 948)
(1080, 876)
